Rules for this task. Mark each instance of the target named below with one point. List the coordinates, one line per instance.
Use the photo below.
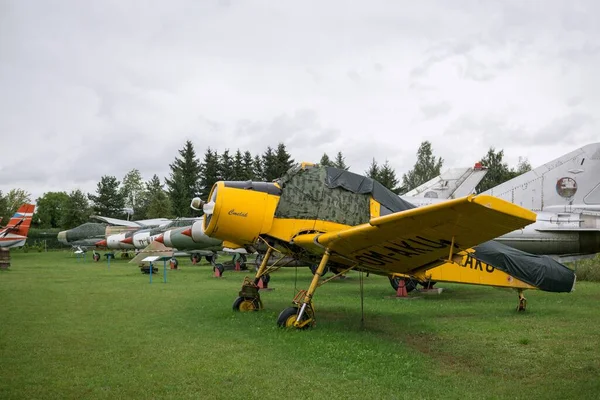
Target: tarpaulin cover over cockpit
(390, 202)
(542, 272)
(332, 194)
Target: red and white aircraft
(15, 233)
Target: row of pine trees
(191, 176)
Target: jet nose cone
(101, 243)
(128, 240)
(187, 232)
(62, 237)
(160, 239)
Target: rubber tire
(313, 269)
(209, 258)
(287, 318)
(220, 267)
(243, 304)
(96, 257)
(266, 279)
(410, 284)
(428, 284)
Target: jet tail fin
(570, 183)
(20, 222)
(450, 184)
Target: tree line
(191, 176)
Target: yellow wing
(421, 238)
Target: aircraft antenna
(362, 301)
(296, 280)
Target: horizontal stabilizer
(153, 249)
(543, 272)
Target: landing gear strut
(522, 301)
(302, 316)
(249, 298)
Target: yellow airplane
(330, 216)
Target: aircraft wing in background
(133, 224)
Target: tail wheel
(409, 284)
(313, 269)
(428, 284)
(245, 304)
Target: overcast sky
(92, 88)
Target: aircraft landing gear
(409, 284)
(302, 316)
(287, 318)
(522, 301)
(249, 298)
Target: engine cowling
(239, 212)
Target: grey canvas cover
(542, 272)
(390, 202)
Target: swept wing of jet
(132, 224)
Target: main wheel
(428, 284)
(314, 267)
(220, 267)
(246, 304)
(409, 284)
(287, 318)
(266, 279)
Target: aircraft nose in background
(62, 237)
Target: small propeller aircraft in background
(350, 222)
(14, 234)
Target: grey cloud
(354, 76)
(300, 130)
(101, 90)
(434, 110)
(574, 101)
(571, 129)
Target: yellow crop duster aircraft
(347, 221)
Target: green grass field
(76, 329)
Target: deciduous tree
(50, 209)
(132, 188)
(77, 210)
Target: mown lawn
(76, 329)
